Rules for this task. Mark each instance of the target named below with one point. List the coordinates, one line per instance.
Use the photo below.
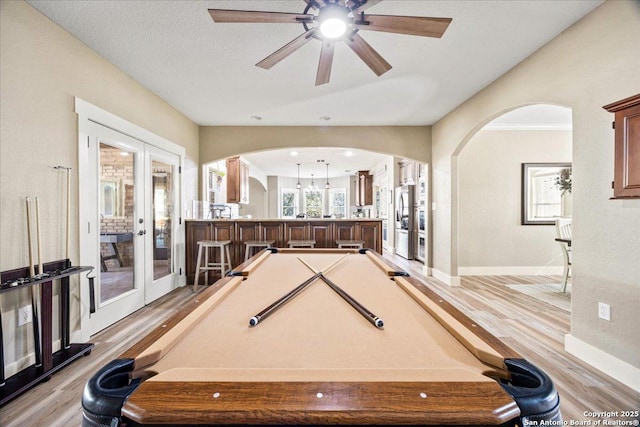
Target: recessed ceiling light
(124, 153)
(348, 153)
(256, 118)
(294, 153)
(325, 118)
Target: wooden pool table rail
(298, 403)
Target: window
(337, 202)
(289, 203)
(313, 202)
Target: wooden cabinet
(322, 233)
(296, 230)
(345, 230)
(237, 181)
(371, 233)
(407, 169)
(245, 231)
(364, 189)
(195, 231)
(626, 180)
(273, 231)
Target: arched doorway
(489, 200)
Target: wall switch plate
(25, 315)
(604, 311)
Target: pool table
(316, 360)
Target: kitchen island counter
(325, 232)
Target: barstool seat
(357, 244)
(249, 245)
(302, 243)
(205, 245)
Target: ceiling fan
(331, 21)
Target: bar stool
(302, 243)
(205, 245)
(357, 244)
(250, 244)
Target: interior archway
(488, 162)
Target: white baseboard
(620, 370)
(427, 271)
(27, 360)
(445, 278)
(24, 362)
(511, 271)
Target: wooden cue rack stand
(51, 361)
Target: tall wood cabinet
(364, 189)
(237, 181)
(626, 180)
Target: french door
(129, 201)
(162, 196)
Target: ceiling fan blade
(315, 3)
(413, 25)
(324, 67)
(357, 9)
(244, 16)
(370, 57)
(286, 50)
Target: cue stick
(39, 237)
(68, 236)
(284, 299)
(68, 216)
(31, 267)
(375, 320)
(34, 294)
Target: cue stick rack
(51, 361)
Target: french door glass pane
(162, 193)
(117, 172)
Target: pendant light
(312, 186)
(298, 185)
(326, 186)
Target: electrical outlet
(604, 311)
(25, 315)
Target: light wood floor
(534, 330)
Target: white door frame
(90, 116)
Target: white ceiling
(341, 162)
(207, 70)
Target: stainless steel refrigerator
(405, 221)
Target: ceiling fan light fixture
(333, 28)
(334, 20)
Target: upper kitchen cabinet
(364, 189)
(407, 173)
(237, 181)
(626, 179)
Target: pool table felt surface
(317, 336)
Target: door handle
(142, 232)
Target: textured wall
(413, 142)
(42, 69)
(591, 64)
(490, 200)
